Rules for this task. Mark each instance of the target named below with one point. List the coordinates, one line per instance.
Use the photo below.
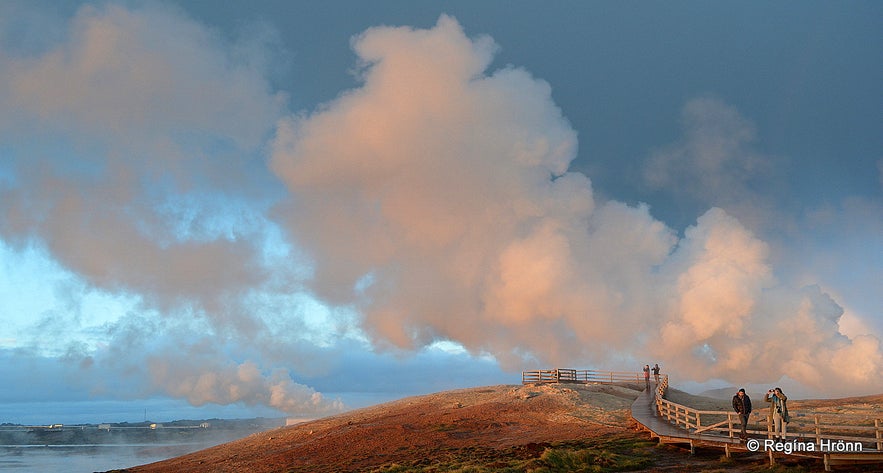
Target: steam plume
(127, 160)
(436, 198)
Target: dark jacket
(742, 405)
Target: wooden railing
(831, 427)
(815, 426)
(563, 375)
(866, 429)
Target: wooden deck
(645, 412)
(674, 423)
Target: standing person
(647, 376)
(778, 412)
(656, 372)
(742, 405)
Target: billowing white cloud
(433, 202)
(718, 274)
(132, 150)
(436, 199)
(136, 113)
(244, 382)
(149, 75)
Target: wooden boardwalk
(678, 424)
(645, 411)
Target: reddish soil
(435, 426)
(487, 423)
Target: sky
(299, 208)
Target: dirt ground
(510, 420)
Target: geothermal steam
(437, 199)
(434, 199)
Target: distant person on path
(656, 372)
(779, 417)
(647, 375)
(742, 405)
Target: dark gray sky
(806, 74)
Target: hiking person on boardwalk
(647, 376)
(779, 417)
(656, 372)
(742, 406)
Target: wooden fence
(812, 426)
(579, 376)
(866, 429)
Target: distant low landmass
(720, 393)
(179, 431)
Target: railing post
(682, 416)
(879, 435)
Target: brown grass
(496, 428)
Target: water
(100, 411)
(103, 447)
(83, 448)
(88, 458)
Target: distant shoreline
(133, 434)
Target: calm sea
(104, 457)
(42, 458)
(87, 458)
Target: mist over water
(89, 458)
(82, 447)
(94, 412)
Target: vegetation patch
(612, 453)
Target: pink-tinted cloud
(436, 199)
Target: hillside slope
(490, 426)
(423, 429)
